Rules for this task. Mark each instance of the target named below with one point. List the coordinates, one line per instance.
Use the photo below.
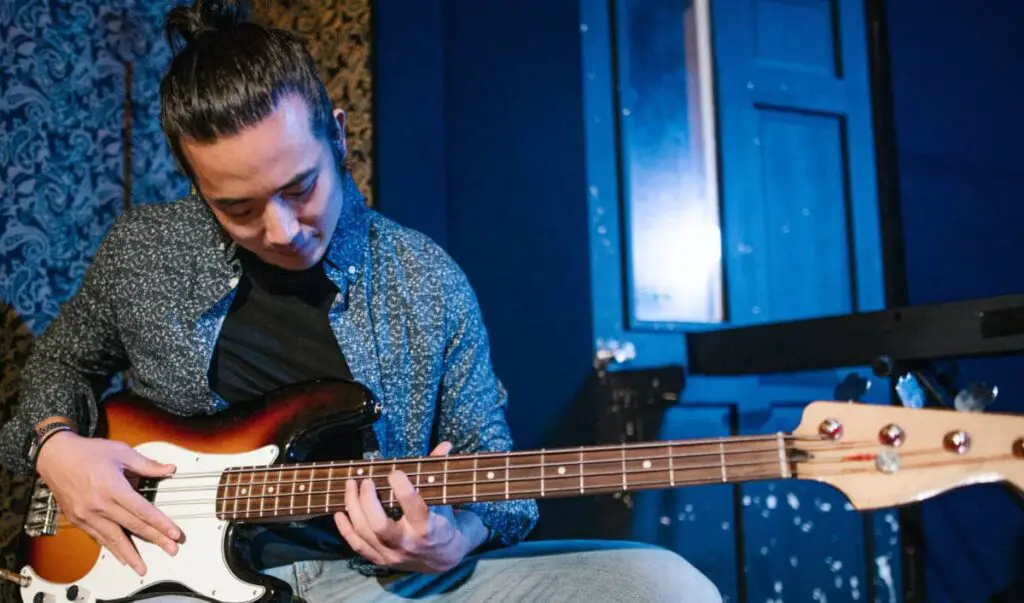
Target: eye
(241, 212)
(302, 192)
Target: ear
(339, 115)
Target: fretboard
(289, 492)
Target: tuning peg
(975, 397)
(910, 391)
(852, 388)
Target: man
(274, 272)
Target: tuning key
(957, 441)
(975, 397)
(892, 435)
(831, 429)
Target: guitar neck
(294, 491)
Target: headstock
(886, 456)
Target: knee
(658, 574)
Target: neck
(290, 492)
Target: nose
(281, 225)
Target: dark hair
(229, 73)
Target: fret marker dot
(244, 490)
(359, 472)
(302, 487)
(561, 471)
(647, 464)
(490, 475)
(270, 489)
(430, 479)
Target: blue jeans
(574, 571)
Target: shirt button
(351, 269)
(233, 282)
(338, 298)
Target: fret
(222, 497)
(624, 486)
(542, 467)
(275, 490)
(507, 480)
(782, 456)
(476, 463)
(419, 471)
(263, 491)
(309, 488)
(248, 495)
(330, 478)
(582, 487)
(291, 490)
(234, 510)
(671, 469)
(444, 487)
(391, 491)
(721, 457)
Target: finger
(414, 508)
(354, 508)
(442, 449)
(101, 541)
(138, 526)
(145, 466)
(355, 541)
(117, 542)
(387, 531)
(141, 508)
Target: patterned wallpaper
(63, 67)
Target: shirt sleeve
(473, 403)
(72, 363)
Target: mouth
(294, 251)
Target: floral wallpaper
(66, 70)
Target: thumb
(442, 449)
(145, 466)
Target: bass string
(859, 469)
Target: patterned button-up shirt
(405, 317)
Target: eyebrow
(298, 178)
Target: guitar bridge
(43, 512)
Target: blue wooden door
(731, 182)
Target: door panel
(800, 238)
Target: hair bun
(188, 23)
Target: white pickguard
(200, 563)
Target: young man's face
(275, 187)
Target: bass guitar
(267, 462)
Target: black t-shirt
(277, 333)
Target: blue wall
(957, 97)
(480, 140)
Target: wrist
(43, 443)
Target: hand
(87, 478)
(426, 539)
